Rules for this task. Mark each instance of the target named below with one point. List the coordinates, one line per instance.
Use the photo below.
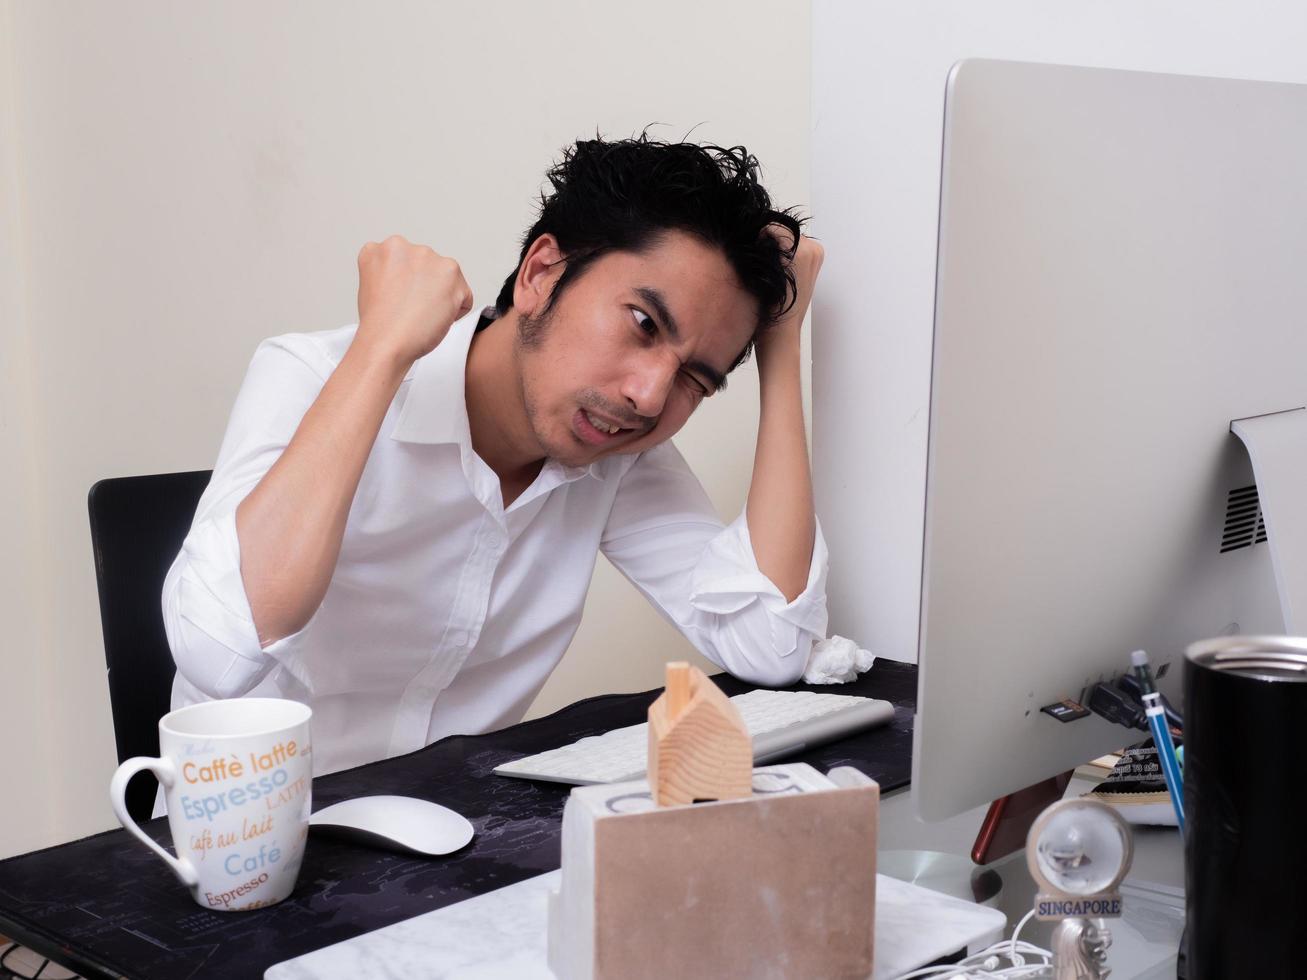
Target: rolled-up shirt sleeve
(206, 612)
(664, 535)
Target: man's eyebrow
(655, 299)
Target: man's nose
(646, 386)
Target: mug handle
(165, 772)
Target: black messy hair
(623, 195)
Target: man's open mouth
(595, 429)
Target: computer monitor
(1122, 271)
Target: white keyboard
(780, 722)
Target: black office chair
(138, 524)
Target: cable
(1016, 933)
(987, 964)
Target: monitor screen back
(1122, 271)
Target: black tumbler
(1245, 802)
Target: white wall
(27, 754)
(182, 180)
(878, 87)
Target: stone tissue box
(781, 883)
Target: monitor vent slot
(1244, 524)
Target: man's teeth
(601, 425)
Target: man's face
(635, 343)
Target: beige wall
(181, 180)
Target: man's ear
(536, 275)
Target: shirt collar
(435, 409)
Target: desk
(106, 907)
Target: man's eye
(696, 386)
(644, 321)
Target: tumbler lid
(1271, 658)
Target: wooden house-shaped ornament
(699, 747)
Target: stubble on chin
(530, 338)
(561, 450)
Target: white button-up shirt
(447, 611)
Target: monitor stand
(1009, 819)
(1002, 832)
(1277, 446)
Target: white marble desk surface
(501, 936)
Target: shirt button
(458, 638)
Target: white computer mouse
(401, 823)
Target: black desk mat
(106, 907)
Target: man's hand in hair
(409, 296)
(806, 265)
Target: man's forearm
(780, 513)
(291, 525)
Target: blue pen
(1161, 733)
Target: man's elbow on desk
(776, 671)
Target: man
(405, 514)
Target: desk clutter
(708, 868)
(105, 905)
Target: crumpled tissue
(836, 660)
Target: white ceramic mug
(237, 776)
